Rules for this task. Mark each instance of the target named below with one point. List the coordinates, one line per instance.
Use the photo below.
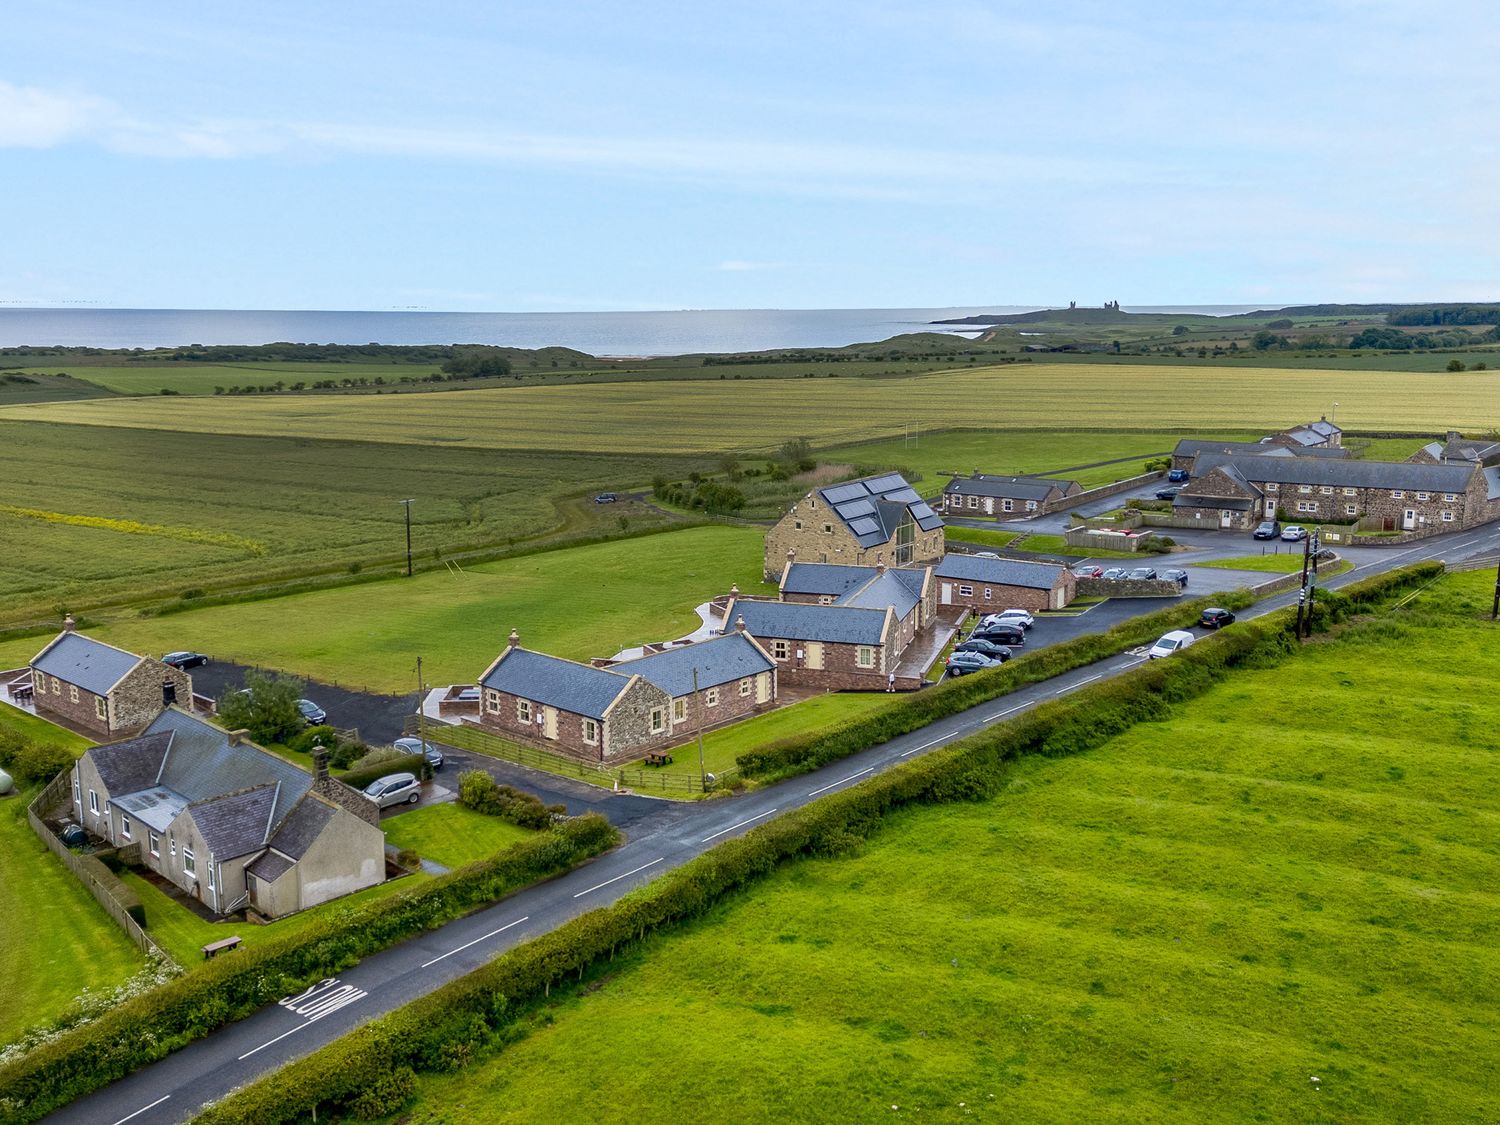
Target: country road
(665, 837)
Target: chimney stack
(69, 625)
(739, 623)
(320, 762)
(237, 737)
(734, 589)
(791, 554)
(514, 640)
(880, 567)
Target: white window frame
(864, 656)
(101, 707)
(1449, 497)
(1351, 509)
(72, 693)
(1447, 515)
(155, 843)
(172, 844)
(711, 697)
(189, 862)
(77, 791)
(658, 720)
(93, 802)
(973, 501)
(1398, 494)
(1307, 506)
(797, 525)
(590, 731)
(125, 825)
(1007, 505)
(1031, 505)
(679, 710)
(828, 529)
(1272, 486)
(966, 591)
(745, 685)
(1424, 496)
(780, 650)
(1326, 490)
(491, 701)
(1351, 492)
(523, 711)
(56, 686)
(1305, 489)
(988, 594)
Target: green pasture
(582, 602)
(1276, 906)
(202, 378)
(450, 834)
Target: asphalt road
(670, 835)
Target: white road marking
(831, 784)
(1079, 684)
(627, 875)
(732, 827)
(142, 1110)
(278, 1039)
(924, 746)
(1002, 714)
(477, 940)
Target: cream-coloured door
(549, 721)
(763, 688)
(815, 654)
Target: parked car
(1116, 573)
(1021, 617)
(1175, 641)
(1293, 533)
(1215, 618)
(962, 663)
(1000, 633)
(1088, 570)
(605, 498)
(185, 659)
(1143, 574)
(1178, 576)
(1168, 493)
(1178, 476)
(314, 714)
(1269, 529)
(394, 789)
(985, 555)
(985, 648)
(433, 755)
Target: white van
(1175, 641)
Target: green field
(697, 416)
(1192, 923)
(451, 834)
(202, 378)
(588, 601)
(1286, 563)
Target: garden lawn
(452, 835)
(577, 603)
(1288, 563)
(1276, 906)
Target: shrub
(411, 763)
(33, 763)
(267, 708)
(479, 791)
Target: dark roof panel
(719, 661)
(999, 572)
(555, 682)
(302, 827)
(797, 622)
(235, 825)
(1396, 475)
(92, 665)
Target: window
(973, 501)
(1031, 505)
(1304, 488)
(124, 826)
(825, 599)
(492, 701)
(1351, 492)
(77, 791)
(780, 650)
(1326, 491)
(1449, 497)
(679, 710)
(56, 686)
(1307, 505)
(988, 594)
(828, 529)
(189, 861)
(93, 802)
(1272, 486)
(1447, 517)
(1423, 496)
(172, 845)
(966, 591)
(745, 686)
(210, 873)
(1351, 509)
(155, 842)
(1008, 505)
(523, 710)
(101, 707)
(590, 730)
(711, 697)
(72, 693)
(1397, 494)
(864, 656)
(797, 524)
(658, 721)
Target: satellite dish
(6, 784)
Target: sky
(573, 156)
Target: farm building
(866, 522)
(96, 687)
(861, 586)
(1001, 496)
(989, 585)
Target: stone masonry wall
(53, 696)
(137, 699)
(840, 672)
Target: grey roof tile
(92, 665)
(882, 590)
(235, 825)
(999, 572)
(825, 579)
(719, 661)
(125, 767)
(1000, 487)
(796, 622)
(555, 682)
(270, 866)
(202, 765)
(1408, 475)
(302, 827)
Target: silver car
(393, 789)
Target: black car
(1000, 634)
(1168, 493)
(962, 663)
(185, 659)
(1178, 576)
(1269, 529)
(985, 648)
(1216, 618)
(1143, 574)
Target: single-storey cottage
(832, 647)
(1004, 497)
(910, 590)
(990, 585)
(1458, 449)
(1187, 451)
(230, 824)
(1321, 434)
(866, 522)
(97, 687)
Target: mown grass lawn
(1276, 906)
(1275, 564)
(452, 835)
(580, 602)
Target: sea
(597, 333)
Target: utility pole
(408, 504)
(702, 773)
(1314, 546)
(1304, 611)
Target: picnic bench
(658, 757)
(214, 948)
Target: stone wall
(986, 598)
(1100, 493)
(138, 698)
(1092, 540)
(76, 707)
(802, 530)
(1128, 588)
(840, 671)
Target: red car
(1088, 571)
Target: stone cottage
(1004, 497)
(96, 687)
(990, 585)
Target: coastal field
(710, 416)
(1276, 906)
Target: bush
(411, 763)
(34, 763)
(479, 791)
(267, 707)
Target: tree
(1265, 340)
(478, 363)
(266, 707)
(1455, 365)
(1180, 330)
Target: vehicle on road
(605, 498)
(1116, 574)
(1021, 617)
(1143, 574)
(985, 648)
(1168, 493)
(1175, 641)
(185, 660)
(1268, 529)
(394, 789)
(1088, 570)
(314, 714)
(1215, 618)
(1293, 533)
(433, 755)
(1000, 633)
(962, 663)
(1178, 476)
(1174, 575)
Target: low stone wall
(1166, 519)
(1099, 493)
(1128, 588)
(1092, 540)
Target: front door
(815, 654)
(947, 593)
(763, 687)
(1226, 518)
(549, 721)
(1409, 519)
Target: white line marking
(142, 1110)
(732, 827)
(617, 878)
(278, 1039)
(831, 784)
(1002, 714)
(919, 749)
(1079, 684)
(477, 940)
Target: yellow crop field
(749, 413)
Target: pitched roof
(202, 765)
(270, 866)
(719, 661)
(1000, 572)
(1019, 488)
(1465, 449)
(1346, 474)
(132, 765)
(793, 621)
(237, 824)
(825, 579)
(302, 827)
(884, 589)
(873, 507)
(1192, 447)
(92, 665)
(555, 682)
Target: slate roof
(1231, 503)
(201, 764)
(883, 590)
(92, 665)
(1438, 450)
(269, 867)
(1192, 447)
(155, 807)
(132, 765)
(913, 580)
(1463, 449)
(719, 661)
(1492, 483)
(555, 682)
(301, 828)
(1407, 475)
(999, 572)
(873, 507)
(796, 622)
(825, 579)
(1016, 488)
(235, 825)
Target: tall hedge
(151, 1026)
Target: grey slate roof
(201, 764)
(1345, 474)
(1017, 488)
(825, 579)
(719, 661)
(92, 665)
(269, 867)
(301, 828)
(883, 590)
(795, 622)
(911, 579)
(132, 765)
(555, 682)
(999, 572)
(872, 507)
(235, 825)
(1192, 447)
(1492, 483)
(1463, 449)
(1231, 503)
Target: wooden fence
(657, 779)
(58, 791)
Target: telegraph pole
(1495, 610)
(408, 504)
(1304, 610)
(1314, 545)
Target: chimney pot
(237, 737)
(791, 553)
(514, 641)
(739, 623)
(320, 762)
(69, 625)
(734, 589)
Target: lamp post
(408, 504)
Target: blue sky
(565, 156)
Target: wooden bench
(658, 758)
(214, 948)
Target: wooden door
(815, 654)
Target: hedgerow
(148, 1027)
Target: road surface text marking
(312, 1004)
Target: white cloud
(739, 265)
(31, 117)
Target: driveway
(378, 718)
